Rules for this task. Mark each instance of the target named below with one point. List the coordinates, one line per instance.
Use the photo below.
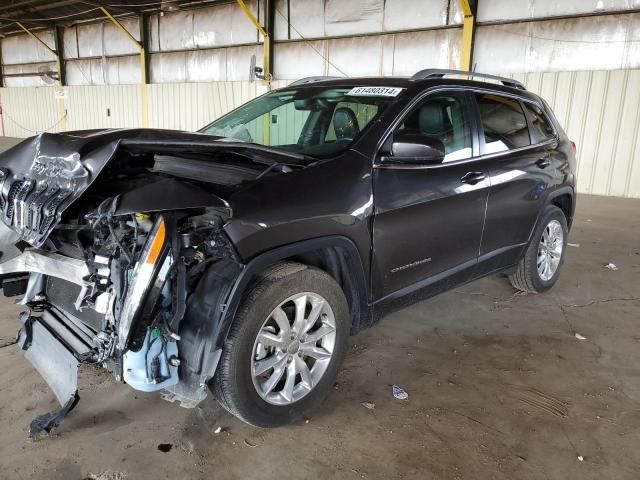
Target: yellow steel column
(143, 67)
(266, 119)
(468, 31)
(60, 87)
(267, 39)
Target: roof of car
(416, 82)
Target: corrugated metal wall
(27, 111)
(599, 110)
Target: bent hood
(42, 176)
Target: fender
(549, 198)
(359, 307)
(215, 300)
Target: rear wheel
(285, 346)
(540, 267)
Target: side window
(444, 118)
(541, 129)
(503, 122)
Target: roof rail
(439, 73)
(302, 81)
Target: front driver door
(428, 219)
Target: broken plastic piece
(611, 266)
(369, 405)
(400, 393)
(42, 425)
(580, 337)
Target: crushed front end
(108, 278)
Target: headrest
(345, 124)
(433, 120)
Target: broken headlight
(151, 261)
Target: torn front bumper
(54, 351)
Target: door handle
(543, 162)
(473, 177)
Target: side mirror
(417, 149)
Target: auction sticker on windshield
(375, 91)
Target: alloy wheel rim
(550, 250)
(293, 348)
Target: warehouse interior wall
(583, 56)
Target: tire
(528, 276)
(235, 384)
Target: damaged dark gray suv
(240, 258)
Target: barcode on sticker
(375, 91)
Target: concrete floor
(499, 388)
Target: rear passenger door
(429, 218)
(520, 164)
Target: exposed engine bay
(114, 278)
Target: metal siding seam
(633, 160)
(555, 88)
(572, 91)
(616, 140)
(583, 125)
(603, 107)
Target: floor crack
(606, 300)
(8, 344)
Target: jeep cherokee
(241, 257)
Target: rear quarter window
(503, 122)
(541, 128)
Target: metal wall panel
(300, 59)
(103, 71)
(412, 14)
(599, 111)
(103, 106)
(319, 18)
(307, 19)
(28, 81)
(353, 18)
(191, 106)
(592, 43)
(98, 39)
(390, 54)
(27, 111)
(24, 49)
(215, 26)
(220, 64)
(496, 10)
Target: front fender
(212, 306)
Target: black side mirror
(414, 148)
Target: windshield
(312, 121)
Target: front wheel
(540, 267)
(285, 347)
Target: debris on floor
(580, 458)
(400, 393)
(576, 245)
(217, 430)
(580, 337)
(108, 475)
(165, 447)
(611, 266)
(369, 405)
